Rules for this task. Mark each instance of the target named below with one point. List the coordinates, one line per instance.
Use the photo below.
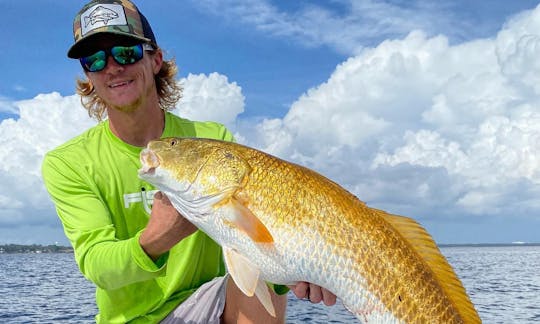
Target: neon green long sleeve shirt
(104, 207)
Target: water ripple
(503, 283)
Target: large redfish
(282, 223)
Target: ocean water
(503, 282)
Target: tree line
(34, 248)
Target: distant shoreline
(489, 244)
(37, 248)
(34, 248)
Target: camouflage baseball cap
(119, 17)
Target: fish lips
(150, 161)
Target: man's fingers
(162, 198)
(315, 294)
(329, 298)
(300, 290)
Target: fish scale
(303, 187)
(293, 224)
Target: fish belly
(293, 257)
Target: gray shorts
(205, 305)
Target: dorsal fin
(423, 244)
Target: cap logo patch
(102, 15)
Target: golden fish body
(282, 223)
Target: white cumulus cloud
(48, 120)
(44, 122)
(459, 122)
(415, 125)
(210, 97)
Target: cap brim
(85, 46)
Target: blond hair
(169, 91)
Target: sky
(429, 109)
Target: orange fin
(246, 221)
(425, 246)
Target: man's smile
(120, 84)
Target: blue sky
(273, 70)
(422, 108)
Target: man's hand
(314, 293)
(165, 228)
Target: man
(143, 256)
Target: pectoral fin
(246, 277)
(264, 297)
(244, 274)
(245, 220)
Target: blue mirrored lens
(127, 54)
(94, 62)
(123, 55)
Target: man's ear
(157, 60)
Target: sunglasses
(123, 55)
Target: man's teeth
(119, 84)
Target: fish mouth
(149, 161)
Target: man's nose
(113, 67)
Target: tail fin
(423, 244)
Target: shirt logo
(102, 15)
(146, 197)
